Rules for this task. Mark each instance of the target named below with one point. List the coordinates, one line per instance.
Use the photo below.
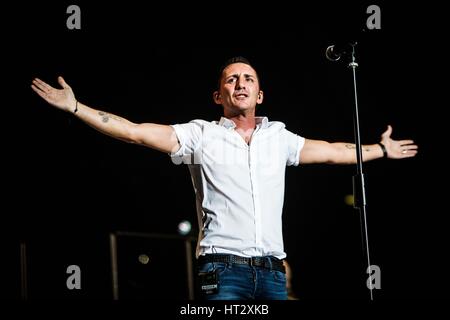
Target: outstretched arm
(318, 151)
(155, 136)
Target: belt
(267, 262)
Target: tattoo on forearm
(105, 116)
(352, 146)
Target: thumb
(63, 83)
(388, 132)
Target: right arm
(155, 136)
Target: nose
(240, 82)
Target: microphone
(335, 51)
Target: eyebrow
(237, 76)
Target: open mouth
(241, 96)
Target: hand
(63, 99)
(398, 149)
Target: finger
(411, 147)
(389, 128)
(409, 151)
(37, 85)
(41, 85)
(388, 131)
(62, 82)
(409, 154)
(35, 88)
(39, 91)
(405, 142)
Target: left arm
(319, 151)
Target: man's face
(239, 89)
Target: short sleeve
(189, 136)
(294, 144)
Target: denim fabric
(245, 282)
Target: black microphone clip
(336, 51)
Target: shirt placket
(253, 166)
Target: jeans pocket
(221, 267)
(279, 276)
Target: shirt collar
(263, 122)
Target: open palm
(63, 99)
(398, 149)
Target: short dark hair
(237, 59)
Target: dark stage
(68, 189)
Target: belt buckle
(257, 261)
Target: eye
(231, 80)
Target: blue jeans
(245, 282)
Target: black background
(66, 187)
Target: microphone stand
(359, 194)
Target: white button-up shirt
(239, 187)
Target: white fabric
(239, 187)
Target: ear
(260, 97)
(217, 97)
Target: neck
(243, 121)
